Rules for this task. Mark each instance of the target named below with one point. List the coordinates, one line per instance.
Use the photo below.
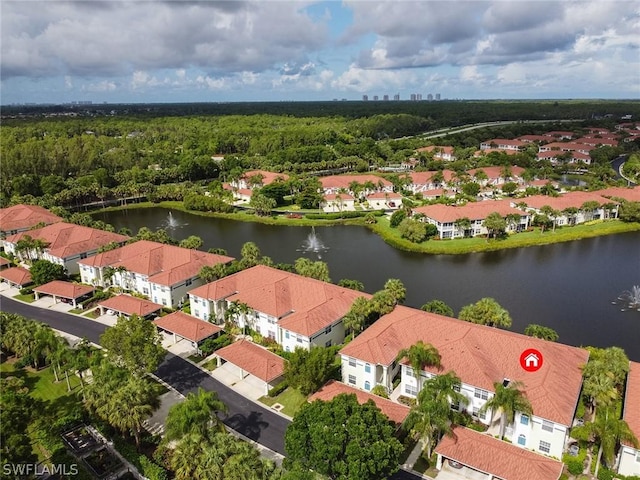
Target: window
(544, 446)
(524, 420)
(367, 385)
(352, 362)
(410, 390)
(196, 313)
(352, 379)
(145, 290)
(479, 393)
(83, 255)
(456, 388)
(547, 426)
(286, 335)
(455, 406)
(328, 343)
(367, 368)
(638, 457)
(299, 340)
(522, 440)
(409, 371)
(272, 335)
(327, 330)
(188, 282)
(477, 413)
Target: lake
(569, 286)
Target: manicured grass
(423, 465)
(210, 364)
(524, 239)
(29, 298)
(42, 384)
(291, 399)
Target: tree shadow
(250, 426)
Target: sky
(148, 51)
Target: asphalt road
(244, 416)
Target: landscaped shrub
(605, 474)
(574, 466)
(27, 290)
(278, 389)
(341, 215)
(210, 345)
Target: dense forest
(71, 155)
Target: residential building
(570, 206)
(19, 218)
(629, 456)
(62, 291)
(496, 176)
(293, 310)
(475, 455)
(17, 277)
(163, 273)
(422, 182)
(446, 217)
(344, 183)
(622, 193)
(481, 356)
(503, 144)
(258, 178)
(384, 200)
(182, 326)
(66, 243)
(337, 202)
(128, 305)
(440, 152)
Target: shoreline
(391, 236)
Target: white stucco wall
(629, 461)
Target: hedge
(278, 389)
(341, 215)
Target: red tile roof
(504, 141)
(268, 177)
(130, 305)
(343, 196)
(68, 239)
(186, 326)
(4, 262)
(252, 358)
(396, 412)
(163, 264)
(302, 304)
(472, 210)
(23, 217)
(631, 412)
(17, 275)
(480, 356)
(385, 195)
(343, 181)
(496, 172)
(63, 289)
(423, 178)
(629, 194)
(573, 199)
(501, 459)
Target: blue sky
(201, 51)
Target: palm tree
(432, 416)
(509, 399)
(420, 355)
(355, 319)
(234, 311)
(397, 290)
(607, 431)
(185, 458)
(196, 414)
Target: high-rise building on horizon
(437, 96)
(365, 98)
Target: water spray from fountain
(172, 223)
(630, 299)
(313, 244)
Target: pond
(569, 286)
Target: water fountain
(172, 222)
(630, 299)
(313, 244)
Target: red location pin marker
(531, 360)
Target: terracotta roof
(501, 459)
(558, 133)
(302, 304)
(68, 239)
(17, 275)
(4, 261)
(486, 151)
(163, 264)
(396, 412)
(573, 199)
(472, 210)
(629, 194)
(256, 360)
(504, 141)
(268, 177)
(567, 146)
(332, 196)
(631, 412)
(496, 172)
(343, 181)
(438, 149)
(186, 326)
(129, 305)
(60, 288)
(534, 138)
(480, 356)
(385, 195)
(422, 178)
(23, 217)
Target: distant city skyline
(145, 51)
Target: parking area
(249, 386)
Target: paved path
(249, 419)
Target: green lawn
(29, 298)
(42, 384)
(291, 398)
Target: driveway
(249, 386)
